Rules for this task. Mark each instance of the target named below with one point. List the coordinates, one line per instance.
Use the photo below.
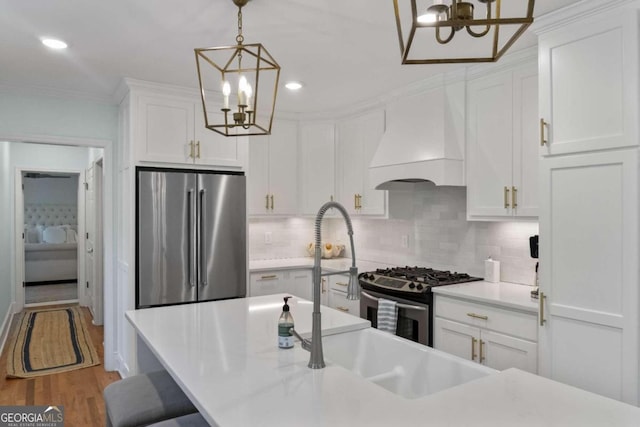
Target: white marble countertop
(225, 357)
(503, 294)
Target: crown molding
(512, 60)
(575, 12)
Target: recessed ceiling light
(54, 43)
(293, 85)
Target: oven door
(413, 318)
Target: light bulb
(427, 18)
(242, 87)
(226, 90)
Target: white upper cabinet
(502, 150)
(273, 171)
(171, 130)
(357, 140)
(588, 82)
(317, 165)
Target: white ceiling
(345, 51)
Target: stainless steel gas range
(410, 288)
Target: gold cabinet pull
(359, 201)
(473, 348)
(191, 150)
(272, 202)
(478, 316)
(269, 277)
(355, 201)
(331, 197)
(198, 145)
(543, 141)
(267, 202)
(342, 284)
(514, 197)
(481, 358)
(506, 197)
(323, 283)
(541, 297)
(345, 309)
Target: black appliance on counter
(410, 288)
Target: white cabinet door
(358, 139)
(525, 143)
(350, 164)
(258, 177)
(317, 172)
(489, 150)
(283, 168)
(211, 147)
(502, 163)
(273, 171)
(501, 352)
(456, 338)
(165, 129)
(589, 83)
(589, 272)
(372, 202)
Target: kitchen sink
(401, 366)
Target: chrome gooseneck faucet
(316, 360)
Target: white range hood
(423, 140)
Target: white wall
(34, 117)
(51, 191)
(434, 221)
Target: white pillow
(71, 235)
(54, 235)
(32, 235)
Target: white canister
(491, 270)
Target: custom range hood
(423, 141)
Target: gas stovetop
(411, 280)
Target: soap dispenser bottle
(285, 323)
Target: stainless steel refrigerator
(191, 236)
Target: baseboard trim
(6, 325)
(123, 368)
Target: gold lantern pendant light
(244, 73)
(440, 22)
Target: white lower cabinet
(295, 282)
(338, 295)
(495, 337)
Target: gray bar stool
(145, 399)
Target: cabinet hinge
(87, 236)
(87, 285)
(86, 185)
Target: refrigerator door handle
(202, 226)
(192, 237)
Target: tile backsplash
(425, 227)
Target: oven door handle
(399, 304)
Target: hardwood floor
(80, 391)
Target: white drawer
(339, 301)
(515, 323)
(339, 282)
(266, 283)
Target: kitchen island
(225, 357)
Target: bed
(51, 248)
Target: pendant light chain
(240, 37)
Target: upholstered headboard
(50, 215)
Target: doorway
(50, 208)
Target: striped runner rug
(50, 341)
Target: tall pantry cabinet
(588, 102)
